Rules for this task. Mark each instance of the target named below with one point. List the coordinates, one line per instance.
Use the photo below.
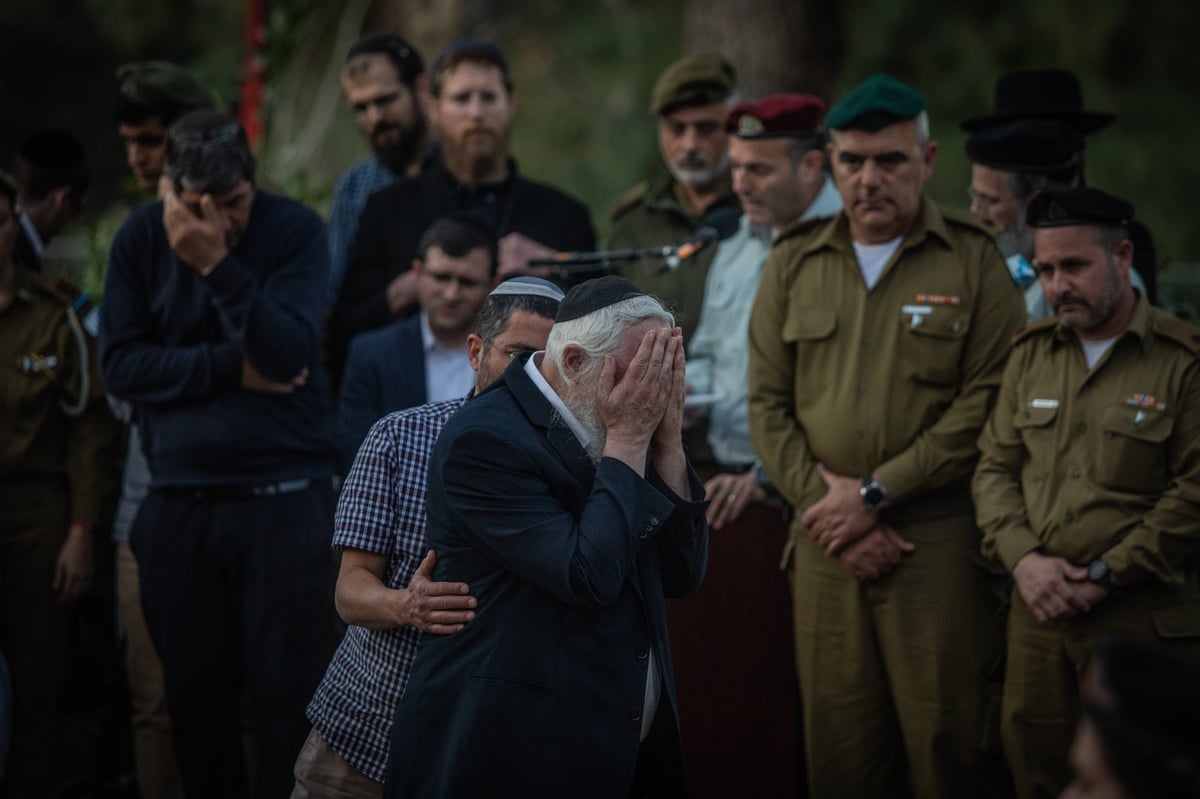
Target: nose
(690, 139)
(374, 115)
(870, 173)
(133, 154)
(741, 183)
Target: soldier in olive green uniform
(57, 451)
(1088, 488)
(877, 342)
(690, 191)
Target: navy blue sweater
(172, 342)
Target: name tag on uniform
(1044, 403)
(917, 312)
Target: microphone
(672, 255)
(703, 238)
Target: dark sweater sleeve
(278, 315)
(136, 364)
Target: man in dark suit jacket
(51, 169)
(562, 495)
(423, 358)
(471, 113)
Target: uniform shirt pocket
(930, 344)
(810, 332)
(1133, 449)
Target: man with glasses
(384, 588)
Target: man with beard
(1088, 488)
(382, 79)
(563, 497)
(471, 110)
(1034, 139)
(691, 189)
(423, 358)
(384, 591)
(877, 340)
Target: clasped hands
(842, 524)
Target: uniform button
(866, 343)
(956, 326)
(1070, 517)
(1082, 427)
(654, 521)
(643, 653)
(862, 388)
(635, 716)
(643, 533)
(1076, 473)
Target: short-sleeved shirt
(381, 510)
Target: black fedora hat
(1052, 94)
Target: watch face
(873, 497)
(1097, 571)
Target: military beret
(776, 116)
(592, 295)
(693, 80)
(159, 83)
(1030, 147)
(1082, 205)
(877, 102)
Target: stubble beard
(581, 401)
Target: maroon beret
(777, 115)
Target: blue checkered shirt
(381, 510)
(349, 198)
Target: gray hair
(922, 122)
(208, 152)
(599, 332)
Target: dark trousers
(34, 517)
(238, 596)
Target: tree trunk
(776, 45)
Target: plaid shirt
(381, 510)
(349, 199)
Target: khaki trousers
(897, 677)
(153, 748)
(322, 773)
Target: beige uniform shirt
(1084, 464)
(896, 380)
(42, 366)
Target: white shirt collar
(535, 374)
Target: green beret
(693, 80)
(877, 102)
(162, 85)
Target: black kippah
(1079, 206)
(592, 295)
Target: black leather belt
(225, 493)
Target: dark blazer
(384, 373)
(541, 694)
(394, 219)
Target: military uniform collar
(929, 223)
(661, 196)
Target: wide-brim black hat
(1052, 94)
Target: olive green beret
(160, 83)
(877, 102)
(693, 80)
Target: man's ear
(474, 350)
(574, 361)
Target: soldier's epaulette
(1179, 331)
(798, 228)
(964, 218)
(629, 200)
(1035, 327)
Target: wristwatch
(873, 493)
(1099, 573)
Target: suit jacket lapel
(540, 413)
